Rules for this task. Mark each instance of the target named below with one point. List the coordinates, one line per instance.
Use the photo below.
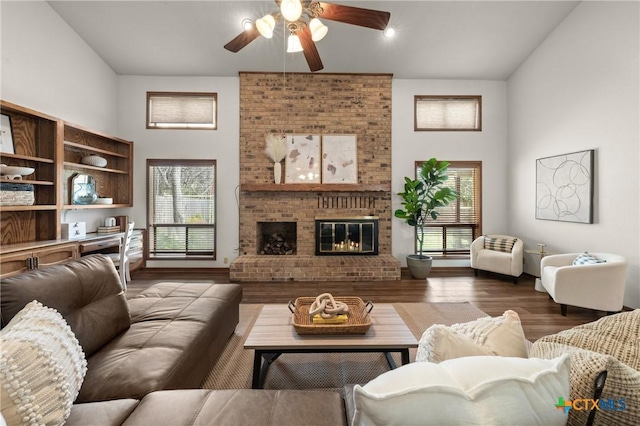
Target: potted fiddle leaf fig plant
(420, 199)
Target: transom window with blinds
(448, 113)
(459, 223)
(181, 206)
(169, 110)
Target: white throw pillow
(439, 343)
(42, 367)
(502, 336)
(479, 390)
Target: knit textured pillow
(42, 367)
(499, 244)
(502, 336)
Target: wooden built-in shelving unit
(54, 148)
(113, 180)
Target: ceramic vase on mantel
(277, 173)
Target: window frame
(213, 95)
(476, 228)
(417, 98)
(184, 163)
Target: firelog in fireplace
(347, 236)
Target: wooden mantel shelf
(314, 187)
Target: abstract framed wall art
(302, 163)
(339, 159)
(564, 187)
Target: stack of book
(108, 229)
(338, 319)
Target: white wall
(580, 90)
(488, 146)
(221, 145)
(47, 67)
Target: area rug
(330, 371)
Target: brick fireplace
(318, 104)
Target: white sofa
(597, 286)
(501, 262)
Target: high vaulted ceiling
(434, 39)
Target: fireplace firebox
(347, 236)
(277, 238)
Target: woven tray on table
(358, 322)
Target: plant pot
(419, 266)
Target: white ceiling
(434, 39)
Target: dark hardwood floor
(491, 293)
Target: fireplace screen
(347, 236)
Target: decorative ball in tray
(326, 314)
(94, 160)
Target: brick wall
(319, 104)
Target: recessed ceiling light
(389, 32)
(247, 24)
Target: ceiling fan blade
(242, 39)
(369, 18)
(309, 49)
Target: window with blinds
(459, 223)
(448, 113)
(181, 206)
(167, 110)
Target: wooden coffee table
(273, 334)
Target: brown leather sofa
(242, 407)
(141, 350)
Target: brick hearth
(315, 268)
(318, 104)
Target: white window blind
(448, 113)
(181, 110)
(460, 222)
(181, 209)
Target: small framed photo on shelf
(6, 135)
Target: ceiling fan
(302, 20)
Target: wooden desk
(21, 257)
(100, 243)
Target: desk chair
(121, 259)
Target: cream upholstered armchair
(502, 254)
(593, 285)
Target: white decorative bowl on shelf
(94, 160)
(15, 172)
(104, 200)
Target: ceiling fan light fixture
(291, 10)
(389, 32)
(265, 25)
(293, 44)
(318, 29)
(247, 24)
